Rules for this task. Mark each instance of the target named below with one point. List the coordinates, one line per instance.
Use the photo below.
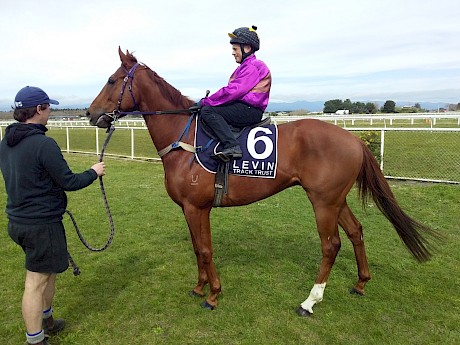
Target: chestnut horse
(324, 159)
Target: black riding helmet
(244, 36)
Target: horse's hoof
(302, 312)
(355, 291)
(195, 294)
(206, 305)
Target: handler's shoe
(52, 326)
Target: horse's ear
(123, 57)
(120, 52)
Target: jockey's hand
(195, 107)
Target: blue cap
(31, 96)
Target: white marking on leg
(316, 295)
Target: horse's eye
(111, 81)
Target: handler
(36, 177)
(243, 101)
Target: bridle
(127, 81)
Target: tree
(347, 105)
(359, 108)
(389, 107)
(371, 108)
(451, 107)
(332, 105)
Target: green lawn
(267, 255)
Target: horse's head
(133, 86)
(117, 94)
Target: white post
(132, 143)
(67, 139)
(97, 142)
(382, 148)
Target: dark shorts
(45, 246)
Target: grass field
(267, 255)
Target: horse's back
(319, 153)
(323, 158)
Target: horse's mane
(167, 90)
(170, 92)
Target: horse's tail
(371, 182)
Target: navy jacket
(36, 175)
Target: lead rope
(76, 269)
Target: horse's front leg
(200, 232)
(202, 275)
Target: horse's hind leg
(327, 225)
(354, 231)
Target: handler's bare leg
(33, 299)
(50, 289)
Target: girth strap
(180, 144)
(175, 145)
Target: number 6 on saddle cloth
(258, 143)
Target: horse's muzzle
(104, 121)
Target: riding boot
(230, 146)
(52, 326)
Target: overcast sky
(403, 50)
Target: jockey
(243, 101)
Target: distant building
(65, 117)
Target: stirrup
(221, 156)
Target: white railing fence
(426, 153)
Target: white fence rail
(431, 119)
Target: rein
(76, 270)
(115, 115)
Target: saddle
(221, 178)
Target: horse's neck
(167, 129)
(164, 129)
